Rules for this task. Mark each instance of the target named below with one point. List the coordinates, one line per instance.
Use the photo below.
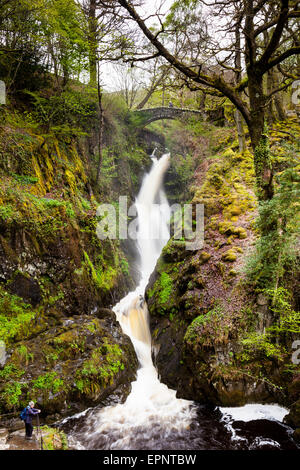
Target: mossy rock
(210, 203)
(226, 227)
(240, 232)
(83, 364)
(199, 282)
(204, 257)
(234, 210)
(216, 180)
(229, 153)
(233, 273)
(229, 255)
(53, 439)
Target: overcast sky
(109, 82)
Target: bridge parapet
(148, 115)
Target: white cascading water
(152, 417)
(150, 402)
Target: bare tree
(158, 74)
(131, 83)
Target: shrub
(278, 223)
(272, 342)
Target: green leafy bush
(15, 317)
(278, 223)
(48, 382)
(273, 342)
(67, 112)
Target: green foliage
(108, 168)
(6, 211)
(288, 321)
(100, 370)
(49, 382)
(63, 23)
(72, 343)
(166, 286)
(23, 69)
(15, 317)
(136, 120)
(24, 355)
(103, 278)
(199, 330)
(31, 28)
(272, 343)
(65, 113)
(275, 252)
(12, 389)
(11, 371)
(114, 108)
(25, 179)
(260, 343)
(44, 217)
(193, 329)
(85, 203)
(124, 266)
(51, 358)
(53, 439)
(11, 394)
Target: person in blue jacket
(30, 413)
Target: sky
(150, 7)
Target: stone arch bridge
(143, 117)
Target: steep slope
(61, 345)
(210, 320)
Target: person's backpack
(23, 414)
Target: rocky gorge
(63, 345)
(208, 321)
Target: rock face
(203, 311)
(293, 418)
(60, 343)
(197, 331)
(27, 288)
(74, 363)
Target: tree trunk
(66, 75)
(151, 91)
(272, 84)
(238, 75)
(278, 97)
(240, 130)
(202, 102)
(101, 123)
(259, 140)
(92, 23)
(55, 65)
(279, 108)
(270, 107)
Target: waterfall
(153, 232)
(152, 418)
(153, 213)
(151, 409)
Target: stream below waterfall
(152, 418)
